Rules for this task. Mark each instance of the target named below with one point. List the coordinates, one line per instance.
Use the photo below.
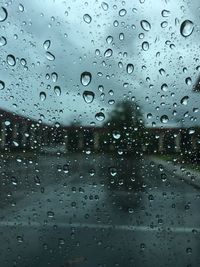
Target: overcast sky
(79, 45)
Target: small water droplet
(2, 85)
(3, 14)
(105, 6)
(109, 39)
(57, 90)
(100, 116)
(21, 8)
(86, 78)
(54, 76)
(184, 100)
(46, 44)
(108, 53)
(164, 87)
(11, 60)
(165, 13)
(146, 26)
(164, 119)
(42, 96)
(116, 134)
(188, 81)
(88, 96)
(50, 56)
(186, 28)
(50, 214)
(122, 12)
(3, 41)
(129, 68)
(145, 46)
(87, 18)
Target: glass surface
(99, 133)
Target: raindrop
(3, 41)
(23, 61)
(46, 44)
(86, 78)
(129, 68)
(122, 12)
(105, 6)
(109, 39)
(165, 13)
(186, 28)
(57, 90)
(3, 14)
(54, 76)
(100, 116)
(108, 53)
(87, 18)
(11, 60)
(164, 119)
(113, 171)
(42, 96)
(2, 85)
(116, 134)
(37, 180)
(50, 56)
(184, 100)
(21, 8)
(145, 46)
(146, 26)
(50, 214)
(164, 87)
(88, 96)
(188, 81)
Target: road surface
(95, 210)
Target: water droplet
(109, 39)
(87, 18)
(188, 81)
(129, 68)
(42, 96)
(54, 76)
(2, 85)
(105, 6)
(164, 87)
(165, 13)
(11, 60)
(122, 12)
(3, 41)
(113, 171)
(23, 61)
(100, 116)
(186, 28)
(108, 53)
(37, 180)
(3, 14)
(146, 26)
(50, 214)
(188, 250)
(21, 8)
(57, 90)
(86, 78)
(50, 56)
(145, 46)
(88, 96)
(164, 119)
(116, 134)
(46, 44)
(184, 100)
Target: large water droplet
(108, 53)
(145, 46)
(186, 28)
(122, 12)
(109, 39)
(188, 81)
(54, 77)
(164, 119)
(88, 96)
(42, 96)
(146, 26)
(57, 90)
(100, 116)
(46, 44)
(21, 8)
(3, 41)
(86, 78)
(2, 85)
(87, 18)
(50, 56)
(129, 68)
(164, 87)
(3, 14)
(11, 60)
(184, 100)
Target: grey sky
(74, 42)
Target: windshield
(99, 133)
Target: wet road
(95, 210)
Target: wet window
(99, 133)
